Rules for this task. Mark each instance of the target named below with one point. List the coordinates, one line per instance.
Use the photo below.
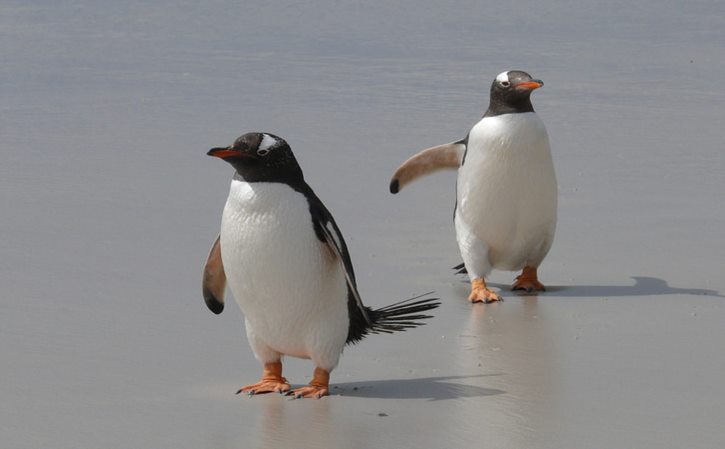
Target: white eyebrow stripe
(503, 76)
(267, 142)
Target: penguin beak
(530, 85)
(226, 153)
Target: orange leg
(272, 380)
(481, 293)
(528, 281)
(318, 387)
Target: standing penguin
(505, 213)
(289, 269)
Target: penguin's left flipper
(214, 282)
(440, 157)
(329, 234)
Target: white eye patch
(503, 77)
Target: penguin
(288, 267)
(506, 190)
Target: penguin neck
(291, 175)
(500, 106)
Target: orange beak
(530, 85)
(224, 153)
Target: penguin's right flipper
(440, 157)
(214, 282)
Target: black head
(511, 92)
(261, 157)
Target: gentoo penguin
(505, 214)
(289, 269)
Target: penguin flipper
(446, 156)
(214, 281)
(330, 235)
(334, 241)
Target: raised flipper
(447, 156)
(214, 282)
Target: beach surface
(110, 206)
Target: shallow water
(111, 205)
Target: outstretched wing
(449, 155)
(214, 281)
(327, 232)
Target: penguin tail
(397, 317)
(461, 268)
(402, 315)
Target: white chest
(513, 141)
(267, 235)
(507, 192)
(507, 160)
(283, 278)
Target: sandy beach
(110, 206)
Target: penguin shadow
(431, 388)
(643, 286)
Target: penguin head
(511, 92)
(260, 157)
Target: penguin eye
(505, 83)
(263, 151)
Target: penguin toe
(484, 295)
(309, 391)
(528, 281)
(528, 285)
(266, 386)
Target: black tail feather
(402, 315)
(461, 268)
(397, 317)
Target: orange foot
(310, 391)
(272, 381)
(528, 281)
(481, 293)
(317, 388)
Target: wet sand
(111, 205)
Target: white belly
(290, 289)
(507, 192)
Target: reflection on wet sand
(512, 339)
(304, 424)
(508, 391)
